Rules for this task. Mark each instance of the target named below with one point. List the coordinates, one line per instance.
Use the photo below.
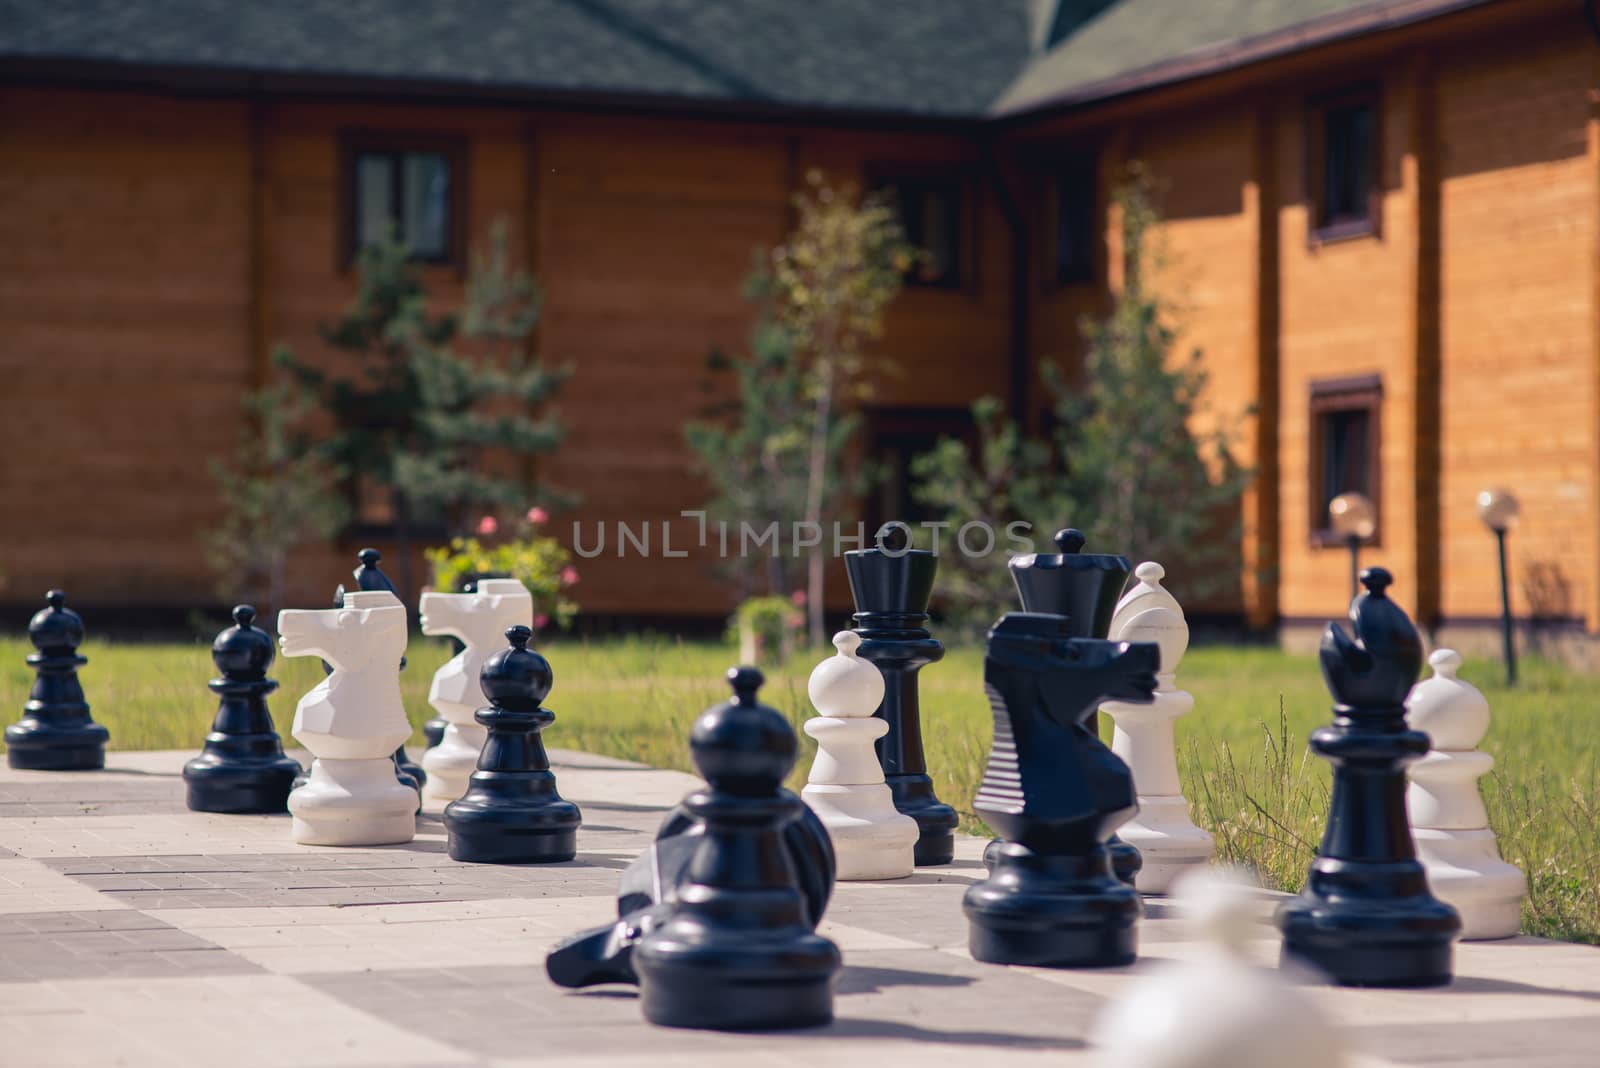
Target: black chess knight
(1366, 916)
(1083, 587)
(55, 732)
(511, 812)
(1055, 793)
(891, 585)
(242, 767)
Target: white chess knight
(1448, 820)
(480, 620)
(1220, 1010)
(352, 721)
(871, 840)
(1167, 839)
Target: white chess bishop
(480, 620)
(1448, 820)
(1167, 839)
(871, 840)
(352, 721)
(1218, 1010)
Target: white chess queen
(480, 620)
(352, 721)
(871, 839)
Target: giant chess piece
(1168, 842)
(242, 767)
(55, 732)
(370, 579)
(511, 813)
(478, 620)
(1448, 820)
(1084, 588)
(738, 952)
(891, 585)
(1055, 793)
(647, 895)
(351, 721)
(1366, 916)
(846, 789)
(1218, 1010)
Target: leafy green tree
(279, 493)
(1124, 462)
(446, 412)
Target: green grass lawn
(1247, 773)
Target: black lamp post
(1498, 509)
(1352, 517)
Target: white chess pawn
(352, 721)
(1220, 1011)
(871, 840)
(1448, 820)
(1167, 839)
(480, 620)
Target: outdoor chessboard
(135, 932)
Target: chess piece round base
(37, 746)
(745, 985)
(870, 839)
(1368, 924)
(353, 803)
(1052, 912)
(513, 819)
(936, 821)
(450, 764)
(433, 731)
(240, 784)
(1465, 871)
(1168, 843)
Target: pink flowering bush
(539, 561)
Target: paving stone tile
(55, 946)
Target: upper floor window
(1344, 448)
(1072, 203)
(405, 189)
(931, 214)
(1344, 163)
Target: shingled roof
(935, 58)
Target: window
(1344, 448)
(1344, 165)
(407, 189)
(897, 435)
(931, 215)
(1074, 223)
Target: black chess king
(1055, 793)
(1366, 916)
(891, 585)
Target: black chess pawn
(242, 767)
(738, 952)
(1055, 793)
(648, 891)
(1084, 587)
(55, 732)
(1366, 916)
(511, 813)
(891, 585)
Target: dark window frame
(1080, 166)
(1321, 227)
(956, 178)
(912, 424)
(355, 143)
(1362, 393)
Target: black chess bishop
(891, 585)
(242, 767)
(1055, 793)
(55, 732)
(511, 812)
(1366, 916)
(1083, 587)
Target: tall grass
(1242, 755)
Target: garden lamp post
(1351, 516)
(1498, 509)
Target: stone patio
(134, 932)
